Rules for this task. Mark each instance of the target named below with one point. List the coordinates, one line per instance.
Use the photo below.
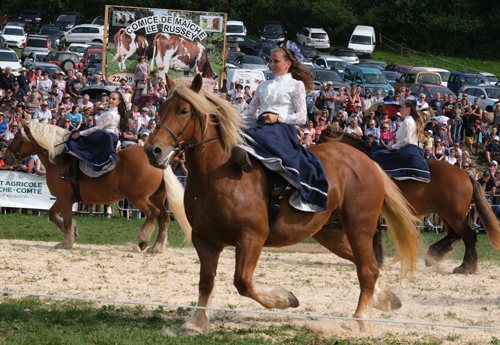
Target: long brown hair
(420, 119)
(298, 70)
(122, 111)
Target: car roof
(7, 50)
(431, 85)
(50, 26)
(330, 57)
(365, 69)
(398, 64)
(94, 49)
(70, 12)
(41, 37)
(429, 69)
(344, 50)
(234, 22)
(468, 73)
(316, 29)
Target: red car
(65, 60)
(398, 68)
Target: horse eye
(184, 111)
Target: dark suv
(37, 17)
(67, 20)
(273, 32)
(56, 33)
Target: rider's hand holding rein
(270, 117)
(75, 136)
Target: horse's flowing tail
(401, 224)
(175, 198)
(488, 218)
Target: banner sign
(19, 189)
(177, 43)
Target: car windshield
(232, 55)
(273, 30)
(319, 36)
(429, 79)
(13, 31)
(347, 53)
(477, 80)
(374, 78)
(66, 18)
(51, 69)
(36, 43)
(49, 31)
(336, 64)
(237, 29)
(328, 76)
(492, 92)
(98, 21)
(40, 57)
(8, 57)
(77, 49)
(66, 56)
(357, 39)
(405, 68)
(441, 90)
(392, 75)
(375, 89)
(255, 60)
(444, 75)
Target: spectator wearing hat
(86, 113)
(44, 85)
(216, 89)
(429, 139)
(240, 103)
(7, 78)
(53, 102)
(85, 102)
(396, 121)
(18, 94)
(43, 115)
(61, 83)
(390, 97)
(321, 125)
(329, 97)
(143, 139)
(366, 122)
(433, 126)
(492, 150)
(373, 131)
(55, 89)
(492, 168)
(143, 119)
(442, 135)
(121, 88)
(149, 128)
(66, 103)
(24, 81)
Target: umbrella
(96, 90)
(392, 108)
(143, 100)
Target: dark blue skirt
(277, 147)
(405, 163)
(97, 150)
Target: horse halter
(15, 152)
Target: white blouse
(107, 121)
(406, 134)
(284, 96)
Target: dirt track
(323, 283)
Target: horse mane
(48, 137)
(227, 118)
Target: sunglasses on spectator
(465, 166)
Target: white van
(445, 74)
(363, 41)
(245, 77)
(235, 28)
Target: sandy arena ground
(323, 283)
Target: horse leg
(438, 251)
(208, 254)
(247, 256)
(67, 221)
(470, 263)
(54, 216)
(378, 245)
(163, 220)
(151, 212)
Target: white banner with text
(18, 189)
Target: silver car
(487, 95)
(251, 62)
(346, 54)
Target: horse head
(20, 147)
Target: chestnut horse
(449, 194)
(132, 179)
(227, 207)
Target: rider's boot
(72, 174)
(61, 158)
(240, 157)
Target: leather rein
(15, 152)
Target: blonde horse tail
(488, 218)
(175, 198)
(397, 213)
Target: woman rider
(405, 160)
(279, 105)
(96, 146)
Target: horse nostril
(157, 151)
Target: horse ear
(170, 82)
(197, 83)
(23, 123)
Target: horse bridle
(15, 152)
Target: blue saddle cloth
(403, 164)
(277, 147)
(97, 151)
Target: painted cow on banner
(127, 45)
(213, 23)
(180, 54)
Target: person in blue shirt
(75, 118)
(390, 97)
(373, 131)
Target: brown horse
(133, 179)
(229, 208)
(449, 194)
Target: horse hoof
(293, 302)
(463, 269)
(142, 245)
(395, 302)
(62, 245)
(189, 330)
(155, 250)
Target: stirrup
(68, 177)
(240, 157)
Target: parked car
(231, 56)
(269, 75)
(356, 75)
(99, 20)
(382, 64)
(374, 89)
(429, 90)
(493, 79)
(444, 73)
(330, 62)
(37, 17)
(417, 77)
(246, 45)
(392, 76)
(348, 55)
(235, 28)
(78, 48)
(68, 20)
(363, 40)
(232, 46)
(487, 95)
(251, 78)
(56, 33)
(85, 33)
(91, 53)
(309, 53)
(28, 27)
(8, 57)
(273, 32)
(265, 50)
(370, 66)
(251, 62)
(14, 36)
(314, 37)
(45, 66)
(398, 68)
(324, 76)
(3, 42)
(94, 64)
(37, 43)
(65, 60)
(458, 78)
(36, 57)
